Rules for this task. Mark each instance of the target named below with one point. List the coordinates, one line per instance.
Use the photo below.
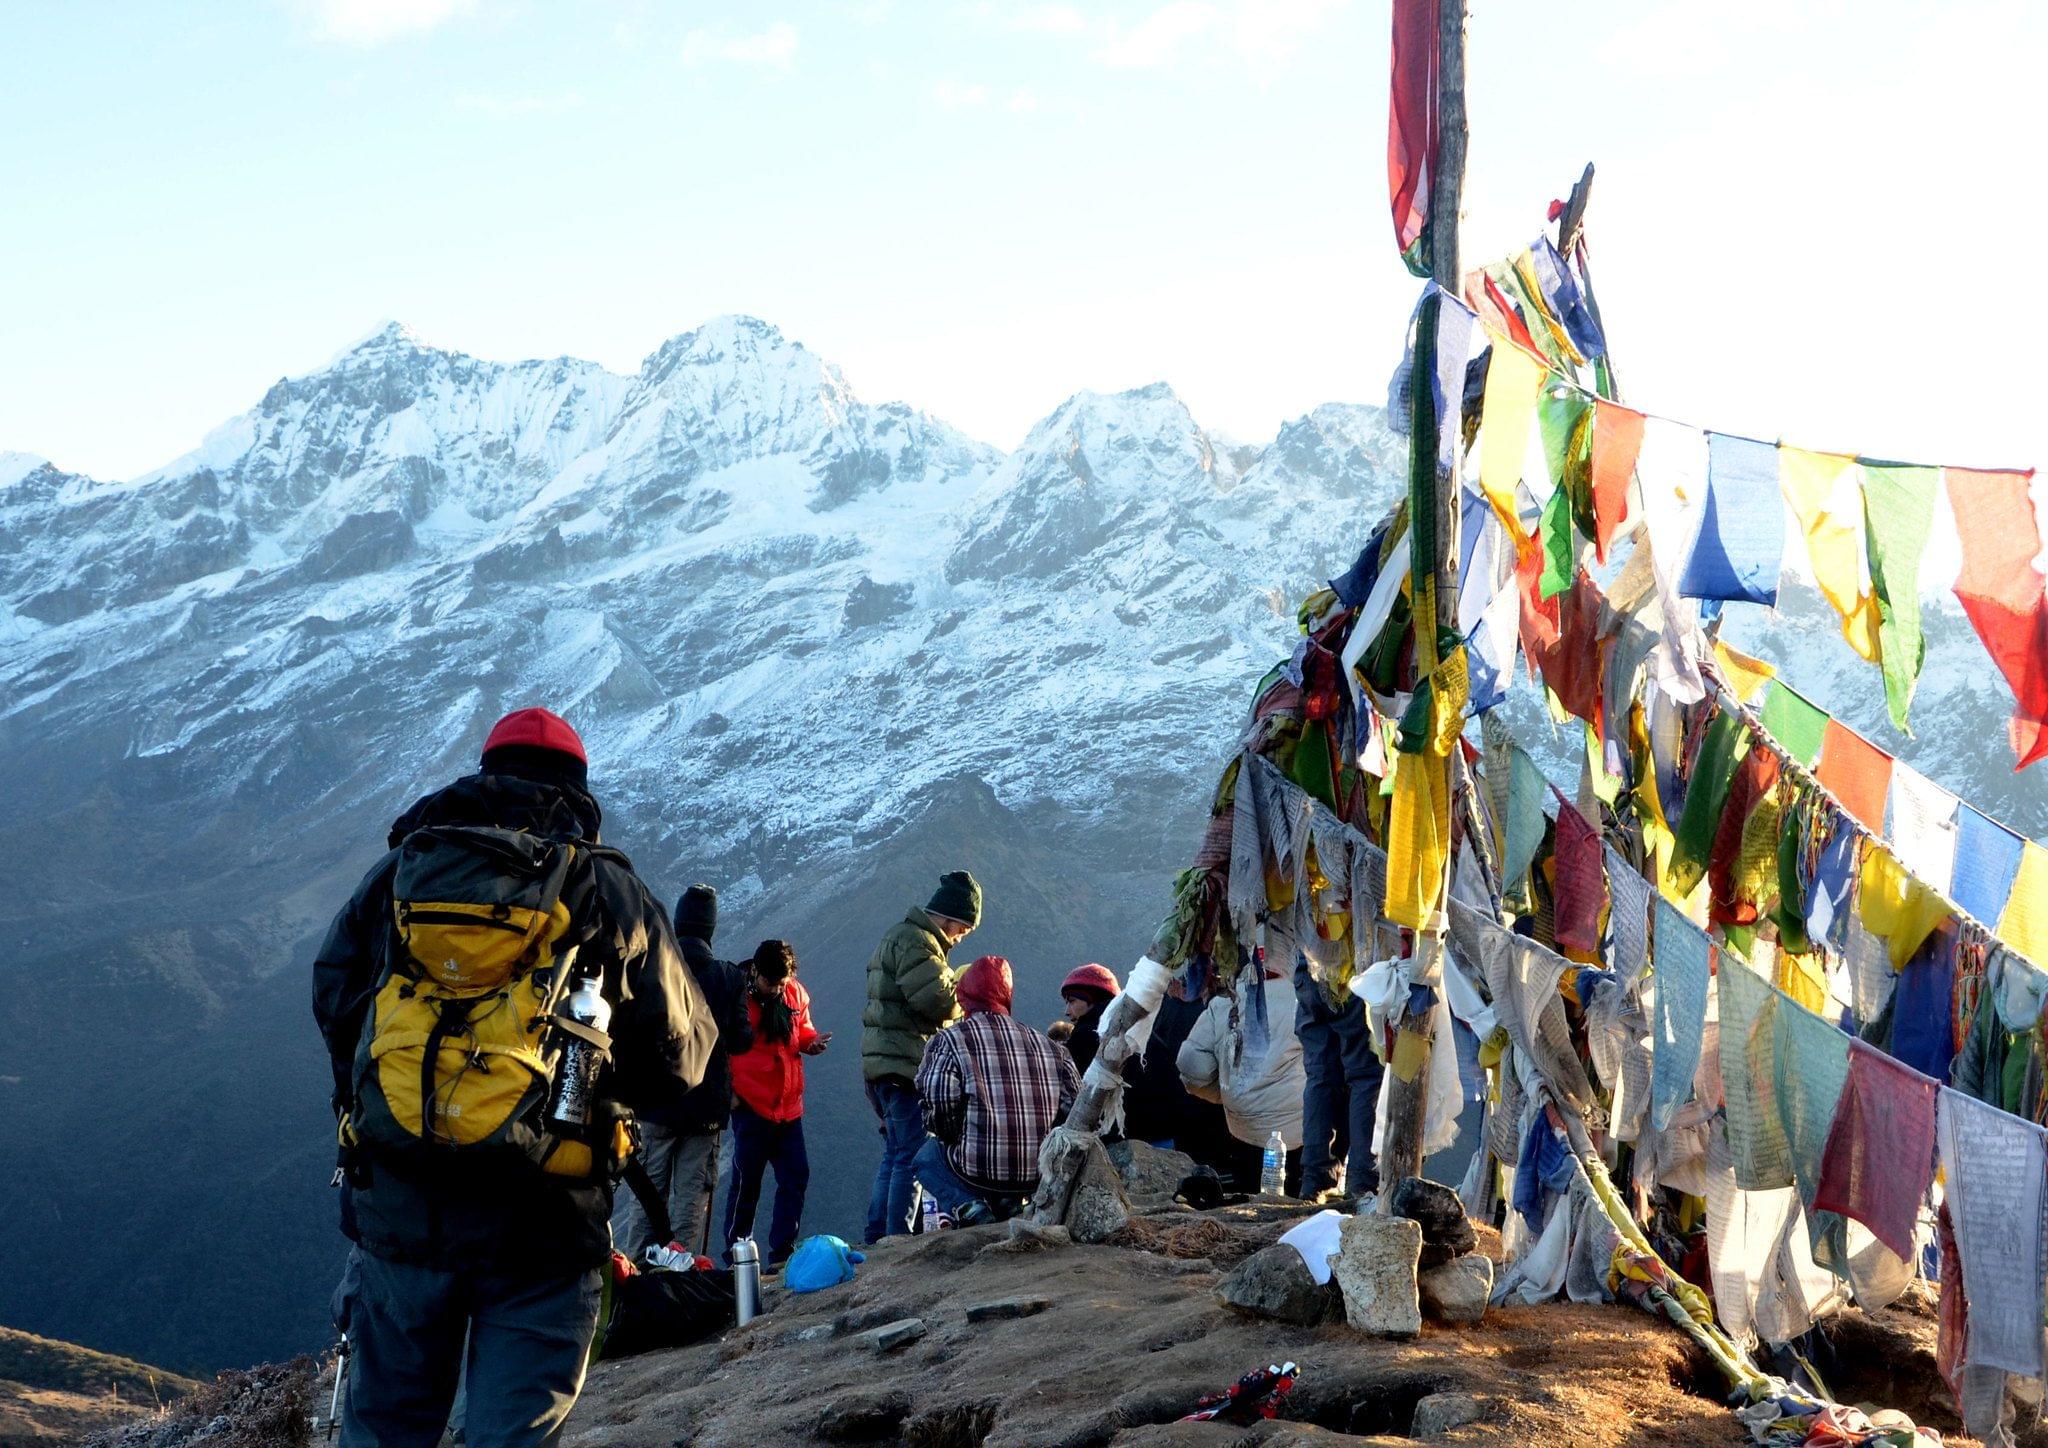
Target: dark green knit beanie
(957, 896)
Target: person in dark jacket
(1158, 1107)
(768, 1101)
(494, 1249)
(910, 999)
(1086, 993)
(679, 1139)
(1326, 1100)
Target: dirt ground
(1127, 1344)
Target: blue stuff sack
(818, 1263)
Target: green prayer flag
(1312, 762)
(1795, 722)
(1705, 795)
(1790, 912)
(1559, 553)
(1898, 512)
(1523, 827)
(1810, 1068)
(1565, 417)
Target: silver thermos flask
(746, 1280)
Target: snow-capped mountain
(820, 650)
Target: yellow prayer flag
(1897, 906)
(1745, 675)
(1513, 379)
(2024, 925)
(1418, 839)
(1835, 542)
(1800, 978)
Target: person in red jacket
(768, 1106)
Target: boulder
(1150, 1171)
(1446, 1231)
(1375, 1271)
(1078, 1187)
(1440, 1413)
(1274, 1282)
(1458, 1290)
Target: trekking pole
(340, 1372)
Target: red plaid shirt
(992, 1089)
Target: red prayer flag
(1581, 882)
(1857, 773)
(1617, 438)
(1412, 128)
(1561, 636)
(1755, 777)
(2002, 592)
(1879, 1158)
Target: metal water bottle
(576, 1078)
(746, 1279)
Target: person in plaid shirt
(991, 1090)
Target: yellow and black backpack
(461, 1042)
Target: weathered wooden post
(1401, 1151)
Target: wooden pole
(1401, 1150)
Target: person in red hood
(768, 1110)
(991, 1090)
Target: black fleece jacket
(506, 1215)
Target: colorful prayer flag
(1796, 722)
(1671, 483)
(1987, 861)
(1857, 773)
(1412, 129)
(1898, 510)
(2002, 592)
(1922, 827)
(1741, 541)
(1513, 380)
(1617, 438)
(1825, 492)
(2024, 924)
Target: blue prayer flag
(1741, 542)
(1987, 862)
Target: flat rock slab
(1375, 1270)
(1007, 1307)
(887, 1338)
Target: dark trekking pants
(757, 1144)
(1325, 1104)
(528, 1339)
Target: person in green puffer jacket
(910, 999)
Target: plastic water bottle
(928, 1213)
(746, 1279)
(1273, 1176)
(576, 1078)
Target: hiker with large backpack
(680, 1136)
(497, 998)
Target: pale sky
(1814, 220)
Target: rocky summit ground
(1030, 1339)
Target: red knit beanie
(1090, 979)
(539, 728)
(985, 986)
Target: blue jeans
(757, 1144)
(902, 1117)
(952, 1191)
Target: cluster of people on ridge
(476, 1268)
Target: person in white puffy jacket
(1252, 1067)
